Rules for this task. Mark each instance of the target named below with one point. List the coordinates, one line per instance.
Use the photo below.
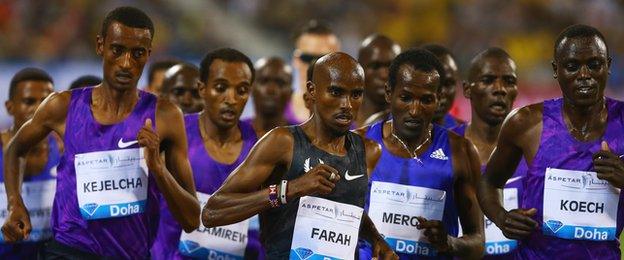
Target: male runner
(218, 143)
(491, 88)
(271, 91)
(449, 86)
(156, 75)
(308, 181)
(106, 201)
(28, 88)
(375, 55)
(572, 145)
(427, 175)
(312, 41)
(180, 88)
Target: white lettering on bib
(325, 229)
(394, 208)
(38, 197)
(225, 242)
(495, 242)
(578, 205)
(111, 183)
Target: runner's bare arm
(517, 138)
(367, 227)
(173, 176)
(242, 194)
(468, 171)
(50, 116)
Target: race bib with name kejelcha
(394, 208)
(111, 184)
(325, 229)
(38, 197)
(578, 205)
(225, 242)
(495, 242)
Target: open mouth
(413, 123)
(586, 90)
(123, 78)
(498, 107)
(344, 118)
(228, 114)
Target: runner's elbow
(192, 221)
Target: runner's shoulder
(277, 140)
(521, 121)
(55, 106)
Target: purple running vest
(29, 250)
(495, 251)
(122, 237)
(559, 149)
(208, 175)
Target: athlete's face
(181, 89)
(414, 100)
(28, 95)
(225, 92)
(493, 89)
(272, 88)
(336, 94)
(448, 86)
(124, 52)
(376, 61)
(581, 67)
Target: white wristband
(282, 191)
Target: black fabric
(278, 224)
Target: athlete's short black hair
(224, 54)
(159, 65)
(26, 74)
(578, 31)
(85, 81)
(313, 27)
(419, 59)
(128, 16)
(438, 50)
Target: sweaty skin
(272, 89)
(375, 56)
(492, 89)
(335, 93)
(413, 102)
(124, 51)
(579, 63)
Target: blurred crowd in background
(59, 35)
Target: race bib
(225, 242)
(495, 242)
(38, 197)
(111, 184)
(394, 208)
(325, 229)
(578, 205)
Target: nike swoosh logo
(352, 177)
(123, 144)
(513, 179)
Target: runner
(308, 181)
(427, 175)
(106, 201)
(28, 88)
(572, 146)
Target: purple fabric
(449, 121)
(558, 149)
(124, 237)
(208, 175)
(29, 250)
(460, 129)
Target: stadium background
(59, 35)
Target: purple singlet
(208, 175)
(130, 236)
(558, 149)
